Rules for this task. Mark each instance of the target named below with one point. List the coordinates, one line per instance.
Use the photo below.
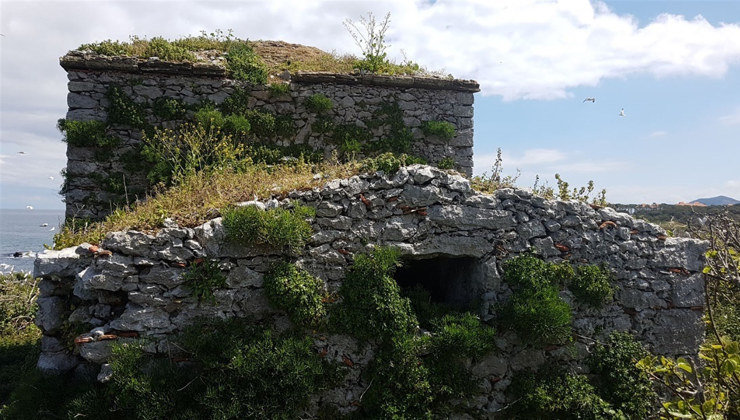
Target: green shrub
(174, 155)
(324, 124)
(203, 278)
(210, 119)
(318, 103)
(592, 285)
(372, 306)
(442, 129)
(297, 292)
(400, 385)
(350, 137)
(618, 378)
(447, 163)
(281, 229)
(234, 370)
(123, 110)
(538, 316)
(87, 134)
(169, 109)
(279, 89)
(262, 123)
(237, 125)
(107, 47)
(536, 311)
(244, 64)
(456, 338)
(236, 103)
(389, 163)
(527, 272)
(556, 394)
(166, 51)
(398, 138)
(284, 126)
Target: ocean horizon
(24, 233)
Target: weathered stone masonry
(355, 99)
(430, 215)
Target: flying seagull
(21, 153)
(592, 100)
(29, 207)
(51, 178)
(621, 113)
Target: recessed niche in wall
(454, 281)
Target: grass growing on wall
(280, 229)
(274, 59)
(194, 200)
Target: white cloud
(732, 118)
(529, 159)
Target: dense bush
(551, 393)
(281, 229)
(457, 337)
(618, 378)
(372, 306)
(169, 108)
(296, 292)
(236, 103)
(592, 285)
(318, 103)
(262, 123)
(442, 129)
(412, 376)
(244, 64)
(87, 134)
(203, 278)
(538, 316)
(536, 311)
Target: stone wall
(356, 98)
(131, 284)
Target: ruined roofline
(79, 60)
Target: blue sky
(674, 66)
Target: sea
(23, 233)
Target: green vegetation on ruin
(277, 228)
(203, 277)
(296, 292)
(248, 60)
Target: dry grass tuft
(196, 199)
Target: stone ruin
(452, 238)
(356, 100)
(453, 241)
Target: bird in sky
(592, 100)
(21, 153)
(29, 207)
(52, 229)
(51, 178)
(621, 112)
